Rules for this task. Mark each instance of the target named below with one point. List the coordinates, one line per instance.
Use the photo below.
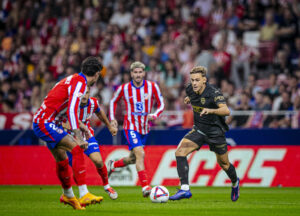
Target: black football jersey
(211, 124)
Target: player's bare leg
(224, 163)
(139, 154)
(130, 159)
(184, 148)
(102, 170)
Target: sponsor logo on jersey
(139, 106)
(219, 98)
(139, 113)
(203, 100)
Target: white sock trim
(185, 187)
(106, 186)
(82, 190)
(68, 192)
(144, 188)
(113, 165)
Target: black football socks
(231, 173)
(183, 170)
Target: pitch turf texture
(44, 200)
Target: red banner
(256, 166)
(17, 121)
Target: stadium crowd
(251, 49)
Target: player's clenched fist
(113, 130)
(206, 111)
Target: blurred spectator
(121, 17)
(250, 20)
(240, 121)
(242, 57)
(273, 89)
(7, 106)
(257, 119)
(44, 41)
(281, 63)
(295, 55)
(269, 29)
(295, 119)
(288, 28)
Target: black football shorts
(216, 144)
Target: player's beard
(138, 82)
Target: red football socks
(119, 163)
(63, 173)
(78, 165)
(103, 173)
(143, 178)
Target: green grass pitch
(44, 200)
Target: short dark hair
(90, 66)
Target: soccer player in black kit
(209, 109)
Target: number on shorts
(132, 134)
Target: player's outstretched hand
(113, 130)
(187, 100)
(205, 111)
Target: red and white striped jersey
(64, 97)
(85, 113)
(138, 102)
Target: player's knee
(180, 152)
(139, 155)
(98, 163)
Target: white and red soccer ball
(159, 194)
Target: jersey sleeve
(188, 89)
(97, 106)
(160, 101)
(113, 103)
(90, 128)
(218, 97)
(76, 91)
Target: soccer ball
(159, 194)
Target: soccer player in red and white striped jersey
(89, 106)
(139, 96)
(67, 94)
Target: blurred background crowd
(251, 49)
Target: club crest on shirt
(202, 100)
(146, 96)
(135, 140)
